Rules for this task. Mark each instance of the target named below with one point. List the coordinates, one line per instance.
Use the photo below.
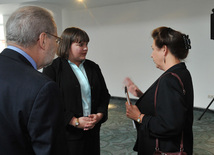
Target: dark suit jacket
(61, 72)
(174, 114)
(30, 111)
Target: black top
(174, 114)
(70, 90)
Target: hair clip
(169, 29)
(187, 42)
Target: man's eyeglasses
(58, 39)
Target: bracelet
(138, 120)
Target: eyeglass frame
(58, 39)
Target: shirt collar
(33, 63)
(80, 66)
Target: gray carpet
(118, 135)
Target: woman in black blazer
(165, 112)
(83, 92)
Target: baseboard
(134, 100)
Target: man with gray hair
(31, 116)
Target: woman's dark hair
(69, 36)
(177, 42)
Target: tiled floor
(118, 135)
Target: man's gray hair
(26, 24)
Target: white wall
(7, 9)
(57, 12)
(121, 43)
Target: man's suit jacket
(61, 72)
(30, 110)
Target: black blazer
(61, 72)
(174, 114)
(30, 111)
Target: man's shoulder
(30, 76)
(38, 77)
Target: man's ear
(42, 40)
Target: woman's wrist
(100, 116)
(140, 118)
(73, 121)
(139, 93)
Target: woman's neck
(171, 61)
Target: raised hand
(132, 88)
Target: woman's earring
(164, 59)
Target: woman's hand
(87, 123)
(132, 88)
(133, 112)
(82, 122)
(94, 119)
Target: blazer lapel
(67, 68)
(88, 72)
